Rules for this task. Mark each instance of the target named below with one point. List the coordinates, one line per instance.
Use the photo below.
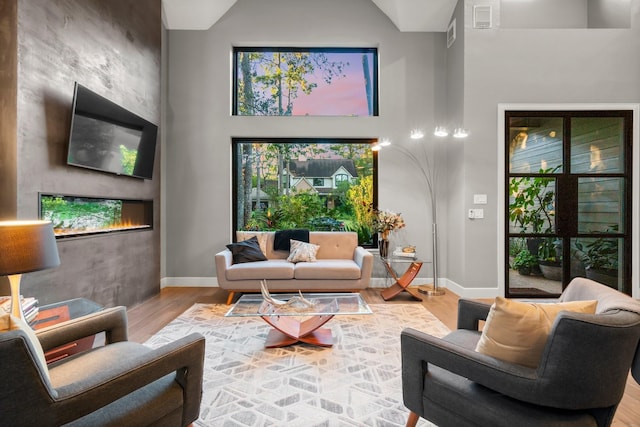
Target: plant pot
(602, 275)
(524, 271)
(551, 270)
(533, 243)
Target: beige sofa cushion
(328, 269)
(333, 245)
(273, 269)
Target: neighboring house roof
(304, 185)
(321, 168)
(263, 195)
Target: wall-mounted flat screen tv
(106, 137)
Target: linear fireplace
(75, 216)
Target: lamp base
(431, 290)
(16, 303)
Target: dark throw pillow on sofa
(282, 239)
(246, 251)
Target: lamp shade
(27, 246)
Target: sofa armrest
(364, 259)
(111, 321)
(224, 260)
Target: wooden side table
(401, 283)
(55, 313)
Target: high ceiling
(407, 15)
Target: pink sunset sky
(345, 96)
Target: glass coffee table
(292, 325)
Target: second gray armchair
(579, 381)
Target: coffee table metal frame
(291, 326)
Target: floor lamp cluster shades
(424, 160)
(25, 246)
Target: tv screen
(106, 137)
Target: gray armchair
(579, 382)
(119, 384)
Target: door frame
(635, 179)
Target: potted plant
(600, 258)
(550, 258)
(532, 207)
(524, 262)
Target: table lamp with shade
(25, 246)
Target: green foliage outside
(532, 207)
(524, 260)
(308, 210)
(128, 159)
(265, 200)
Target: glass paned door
(568, 200)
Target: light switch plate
(479, 199)
(476, 213)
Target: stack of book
(29, 307)
(400, 253)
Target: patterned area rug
(357, 382)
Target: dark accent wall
(114, 48)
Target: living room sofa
(341, 266)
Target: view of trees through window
(305, 81)
(327, 184)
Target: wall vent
(451, 33)
(481, 17)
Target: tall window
(285, 81)
(274, 185)
(569, 200)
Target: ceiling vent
(481, 17)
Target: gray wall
(114, 49)
(609, 13)
(543, 13)
(526, 66)
(200, 127)
(422, 84)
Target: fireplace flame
(119, 226)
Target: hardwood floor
(149, 317)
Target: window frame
(567, 227)
(374, 72)
(235, 165)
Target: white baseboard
(188, 282)
(472, 292)
(376, 282)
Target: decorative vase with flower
(385, 222)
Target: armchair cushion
(517, 331)
(11, 323)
